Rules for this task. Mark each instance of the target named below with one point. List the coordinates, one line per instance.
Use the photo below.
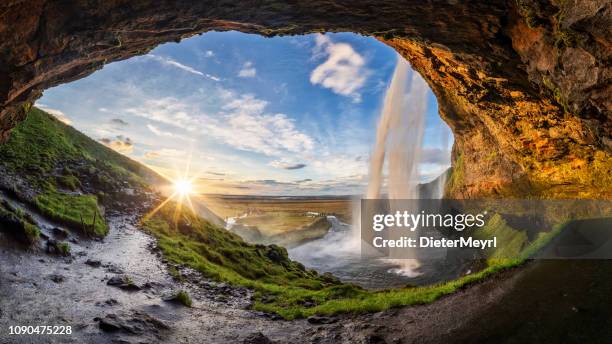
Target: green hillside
(64, 173)
(71, 178)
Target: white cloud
(167, 110)
(245, 125)
(340, 165)
(343, 71)
(209, 53)
(287, 164)
(170, 62)
(59, 115)
(155, 130)
(165, 153)
(242, 123)
(247, 71)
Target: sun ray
(158, 208)
(184, 185)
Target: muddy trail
(119, 290)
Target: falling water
(399, 142)
(399, 137)
(399, 134)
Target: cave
(524, 85)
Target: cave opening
(260, 112)
(271, 118)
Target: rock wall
(524, 84)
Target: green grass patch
(18, 223)
(457, 175)
(510, 241)
(183, 298)
(64, 248)
(76, 211)
(285, 287)
(53, 159)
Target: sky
(252, 115)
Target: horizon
(304, 125)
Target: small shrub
(64, 248)
(184, 298)
(31, 232)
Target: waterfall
(399, 137)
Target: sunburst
(181, 188)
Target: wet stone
(93, 263)
(57, 278)
(123, 282)
(60, 233)
(257, 338)
(319, 320)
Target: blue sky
(254, 115)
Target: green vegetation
(456, 178)
(18, 223)
(510, 241)
(528, 12)
(285, 287)
(64, 248)
(183, 298)
(77, 211)
(69, 182)
(53, 159)
(278, 215)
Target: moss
(18, 223)
(64, 248)
(69, 182)
(284, 287)
(77, 211)
(528, 12)
(556, 93)
(510, 241)
(566, 38)
(31, 232)
(184, 298)
(456, 178)
(175, 273)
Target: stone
(93, 263)
(60, 233)
(57, 278)
(319, 320)
(123, 282)
(257, 338)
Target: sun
(183, 187)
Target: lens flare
(183, 187)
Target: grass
(510, 241)
(295, 210)
(456, 178)
(40, 147)
(183, 298)
(285, 287)
(64, 248)
(55, 161)
(76, 211)
(18, 223)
